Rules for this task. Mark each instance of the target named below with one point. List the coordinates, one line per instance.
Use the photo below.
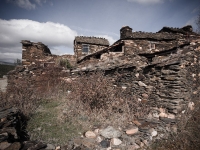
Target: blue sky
(57, 22)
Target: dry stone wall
(160, 75)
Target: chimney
(125, 32)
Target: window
(85, 48)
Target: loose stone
(132, 131)
(90, 134)
(116, 141)
(110, 132)
(105, 144)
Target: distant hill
(5, 68)
(7, 63)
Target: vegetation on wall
(64, 63)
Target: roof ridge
(92, 37)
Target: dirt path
(3, 84)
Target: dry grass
(96, 100)
(88, 102)
(45, 124)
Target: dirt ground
(3, 84)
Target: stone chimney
(125, 32)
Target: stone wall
(163, 76)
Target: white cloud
(40, 2)
(192, 22)
(26, 4)
(49, 33)
(146, 1)
(196, 10)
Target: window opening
(85, 48)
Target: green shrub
(64, 63)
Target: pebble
(58, 148)
(132, 131)
(191, 105)
(154, 133)
(141, 83)
(137, 123)
(105, 144)
(110, 132)
(99, 139)
(116, 141)
(90, 134)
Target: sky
(56, 22)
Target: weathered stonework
(38, 54)
(93, 44)
(34, 52)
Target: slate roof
(184, 30)
(92, 40)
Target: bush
(64, 63)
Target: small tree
(17, 62)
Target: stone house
(84, 46)
(147, 44)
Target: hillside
(4, 69)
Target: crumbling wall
(38, 54)
(33, 53)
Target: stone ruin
(161, 69)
